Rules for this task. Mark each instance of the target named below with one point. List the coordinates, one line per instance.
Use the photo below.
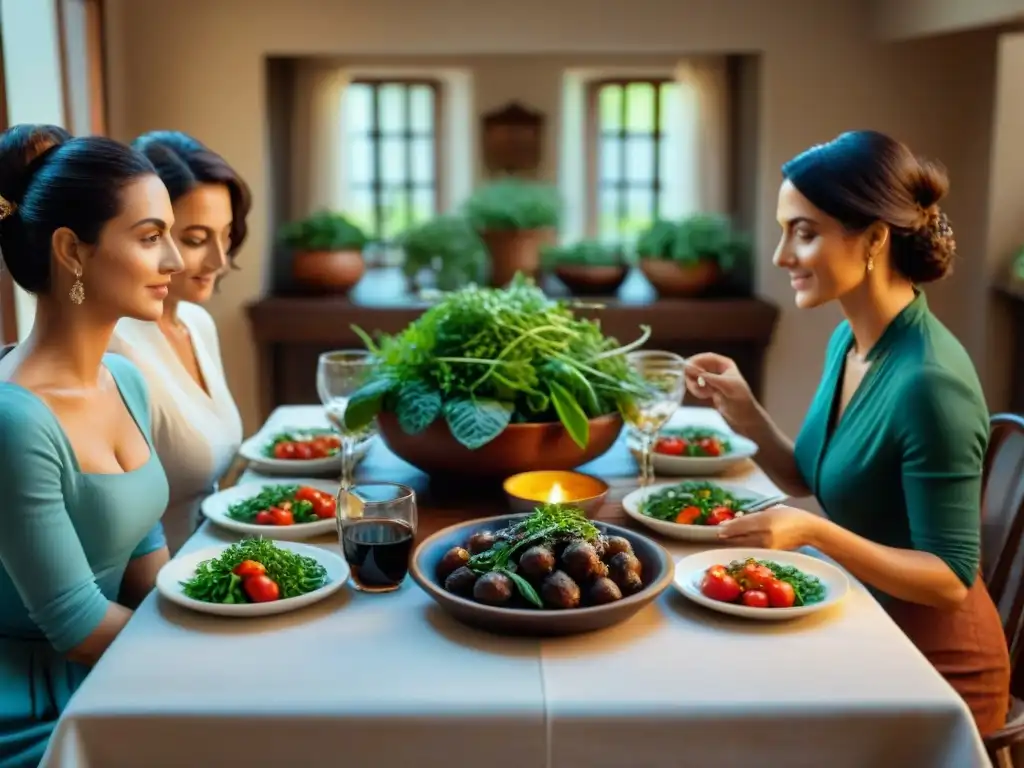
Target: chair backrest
(1002, 530)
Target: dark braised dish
(553, 559)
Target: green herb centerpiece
(588, 268)
(688, 257)
(483, 361)
(327, 251)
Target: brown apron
(968, 648)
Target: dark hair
(52, 180)
(184, 163)
(864, 176)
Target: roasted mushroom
(613, 545)
(559, 591)
(453, 559)
(494, 588)
(461, 581)
(581, 562)
(537, 562)
(603, 591)
(480, 541)
(624, 569)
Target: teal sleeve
(153, 541)
(39, 548)
(945, 435)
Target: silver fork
(762, 504)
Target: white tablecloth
(389, 681)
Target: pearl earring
(871, 262)
(77, 292)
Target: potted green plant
(327, 251)
(515, 218)
(448, 248)
(689, 257)
(588, 268)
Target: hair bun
(929, 185)
(927, 254)
(21, 151)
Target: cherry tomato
(303, 451)
(755, 598)
(710, 446)
(324, 507)
(285, 450)
(670, 446)
(332, 441)
(261, 589)
(720, 586)
(780, 593)
(249, 568)
(719, 515)
(264, 518)
(717, 570)
(754, 576)
(305, 493)
(319, 448)
(281, 516)
(687, 515)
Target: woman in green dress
(84, 227)
(893, 443)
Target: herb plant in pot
(689, 257)
(448, 248)
(588, 268)
(327, 251)
(491, 382)
(515, 218)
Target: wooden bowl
(334, 272)
(674, 280)
(591, 281)
(520, 448)
(658, 570)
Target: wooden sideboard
(292, 331)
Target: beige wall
(906, 19)
(197, 66)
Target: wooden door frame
(8, 308)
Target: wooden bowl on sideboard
(519, 448)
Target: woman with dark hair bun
(196, 425)
(894, 441)
(84, 225)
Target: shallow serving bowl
(658, 571)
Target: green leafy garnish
(215, 582)
(273, 496)
(667, 503)
(485, 358)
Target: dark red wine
(377, 552)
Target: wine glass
(338, 375)
(663, 382)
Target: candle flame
(557, 494)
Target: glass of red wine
(376, 527)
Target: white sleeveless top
(196, 434)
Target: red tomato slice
(687, 515)
(754, 576)
(282, 516)
(755, 598)
(305, 493)
(710, 446)
(261, 589)
(324, 507)
(719, 515)
(249, 568)
(780, 593)
(670, 446)
(721, 587)
(285, 450)
(303, 451)
(264, 518)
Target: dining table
(392, 681)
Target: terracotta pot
(515, 250)
(520, 448)
(672, 279)
(585, 280)
(328, 271)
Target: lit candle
(557, 494)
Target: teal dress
(903, 468)
(66, 538)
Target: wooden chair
(1002, 557)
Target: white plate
(252, 451)
(696, 466)
(690, 570)
(183, 568)
(215, 509)
(631, 504)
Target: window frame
(375, 136)
(594, 184)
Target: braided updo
(863, 177)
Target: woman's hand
(718, 379)
(778, 527)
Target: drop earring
(77, 292)
(871, 262)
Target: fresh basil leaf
(583, 390)
(365, 402)
(417, 405)
(474, 423)
(525, 588)
(570, 414)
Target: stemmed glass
(338, 375)
(663, 382)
